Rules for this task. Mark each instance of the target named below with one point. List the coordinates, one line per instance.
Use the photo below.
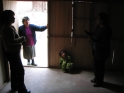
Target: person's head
(25, 21)
(7, 17)
(62, 54)
(103, 18)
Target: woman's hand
(47, 25)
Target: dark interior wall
(4, 72)
(117, 22)
(60, 27)
(1, 61)
(115, 11)
(80, 48)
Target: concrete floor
(51, 80)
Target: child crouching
(65, 62)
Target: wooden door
(60, 24)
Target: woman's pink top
(29, 38)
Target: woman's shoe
(33, 64)
(28, 63)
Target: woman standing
(28, 30)
(100, 41)
(12, 45)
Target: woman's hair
(25, 18)
(104, 17)
(5, 19)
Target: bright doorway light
(37, 12)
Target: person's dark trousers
(29, 60)
(99, 69)
(17, 71)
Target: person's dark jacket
(11, 40)
(33, 28)
(101, 42)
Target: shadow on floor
(114, 87)
(76, 71)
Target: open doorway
(37, 12)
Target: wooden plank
(60, 18)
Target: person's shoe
(28, 63)
(93, 80)
(33, 64)
(26, 91)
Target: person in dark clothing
(100, 41)
(28, 30)
(12, 45)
